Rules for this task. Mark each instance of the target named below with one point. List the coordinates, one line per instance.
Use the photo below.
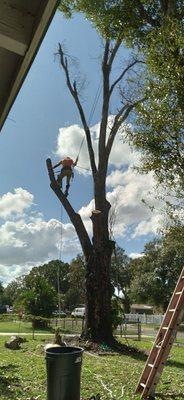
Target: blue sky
(29, 211)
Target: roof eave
(28, 59)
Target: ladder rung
(164, 341)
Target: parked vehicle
(58, 313)
(78, 312)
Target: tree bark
(98, 324)
(98, 251)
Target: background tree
(2, 294)
(39, 298)
(154, 275)
(51, 271)
(76, 278)
(98, 251)
(12, 290)
(155, 29)
(121, 276)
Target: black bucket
(63, 373)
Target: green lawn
(66, 326)
(23, 374)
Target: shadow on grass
(8, 383)
(171, 395)
(128, 350)
(176, 364)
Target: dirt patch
(104, 349)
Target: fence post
(33, 328)
(139, 329)
(83, 318)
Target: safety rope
(61, 233)
(60, 252)
(95, 102)
(96, 99)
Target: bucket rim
(54, 353)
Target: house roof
(23, 24)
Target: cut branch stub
(96, 218)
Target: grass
(66, 326)
(23, 373)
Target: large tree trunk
(97, 253)
(98, 323)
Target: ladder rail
(164, 340)
(162, 355)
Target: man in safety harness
(66, 171)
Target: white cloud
(70, 138)
(35, 241)
(26, 239)
(128, 190)
(150, 225)
(9, 273)
(136, 255)
(132, 216)
(15, 203)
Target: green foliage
(129, 19)
(39, 298)
(154, 275)
(1, 294)
(121, 275)
(50, 271)
(76, 278)
(117, 312)
(13, 289)
(159, 127)
(155, 30)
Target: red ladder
(163, 343)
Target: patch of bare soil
(105, 349)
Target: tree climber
(67, 170)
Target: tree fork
(75, 218)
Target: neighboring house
(141, 309)
(23, 24)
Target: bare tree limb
(105, 107)
(74, 93)
(108, 58)
(118, 120)
(113, 52)
(75, 218)
(123, 74)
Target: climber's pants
(65, 172)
